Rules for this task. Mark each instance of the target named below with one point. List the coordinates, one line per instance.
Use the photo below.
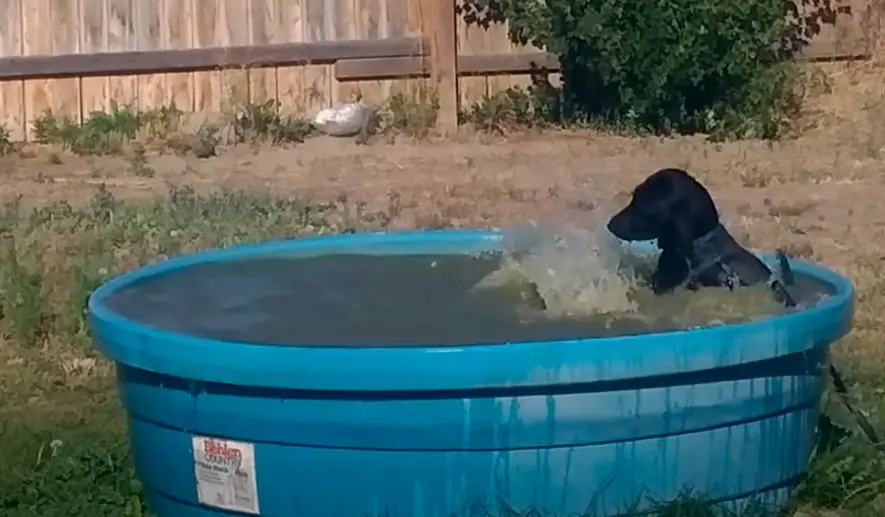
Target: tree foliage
(722, 67)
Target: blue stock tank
(590, 426)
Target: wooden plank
(523, 81)
(442, 30)
(476, 65)
(207, 84)
(151, 87)
(249, 56)
(41, 95)
(362, 19)
(368, 15)
(368, 23)
(409, 22)
(36, 41)
(318, 90)
(497, 42)
(511, 64)
(414, 17)
(315, 21)
(122, 89)
(11, 28)
(845, 49)
(342, 22)
(471, 40)
(12, 109)
(12, 93)
(65, 23)
(177, 34)
(291, 92)
(394, 18)
(262, 81)
(234, 28)
(841, 31)
(290, 26)
(392, 24)
(384, 68)
(65, 26)
(373, 92)
(93, 40)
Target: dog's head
(670, 206)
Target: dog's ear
(697, 204)
(691, 212)
(678, 233)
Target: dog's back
(718, 259)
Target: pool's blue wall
(592, 449)
(584, 427)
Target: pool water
(418, 300)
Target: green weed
(72, 466)
(402, 114)
(22, 296)
(257, 122)
(514, 109)
(7, 146)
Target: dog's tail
(781, 278)
(784, 271)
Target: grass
(123, 130)
(126, 131)
(63, 442)
(514, 109)
(62, 436)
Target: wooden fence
(78, 56)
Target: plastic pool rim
(425, 367)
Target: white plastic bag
(343, 119)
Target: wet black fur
(674, 209)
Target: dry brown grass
(818, 195)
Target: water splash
(585, 272)
(575, 270)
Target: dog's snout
(616, 225)
(628, 227)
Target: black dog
(672, 207)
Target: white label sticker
(226, 474)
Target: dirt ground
(820, 196)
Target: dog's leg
(781, 277)
(842, 390)
(784, 271)
(781, 294)
(672, 271)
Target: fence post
(439, 29)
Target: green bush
(715, 66)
